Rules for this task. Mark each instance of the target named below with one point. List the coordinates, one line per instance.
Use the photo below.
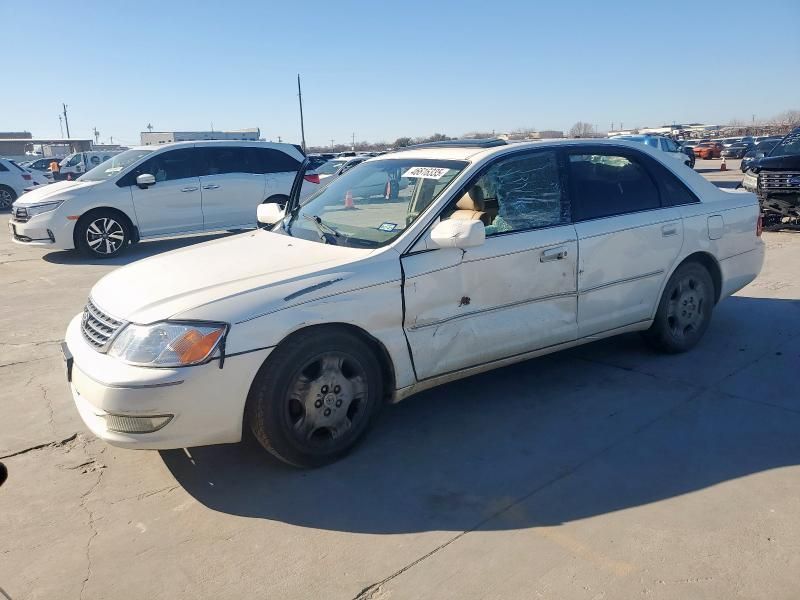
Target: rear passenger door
(233, 185)
(627, 240)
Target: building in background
(153, 138)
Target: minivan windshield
(372, 205)
(114, 165)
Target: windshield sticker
(387, 226)
(426, 172)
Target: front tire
(102, 234)
(315, 396)
(684, 310)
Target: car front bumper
(50, 230)
(205, 403)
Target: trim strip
(619, 281)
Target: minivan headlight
(168, 344)
(37, 209)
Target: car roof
(239, 143)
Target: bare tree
(402, 142)
(581, 130)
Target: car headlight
(168, 344)
(37, 209)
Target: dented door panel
(513, 294)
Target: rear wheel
(102, 234)
(684, 310)
(7, 197)
(315, 397)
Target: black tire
(299, 410)
(684, 310)
(102, 234)
(7, 197)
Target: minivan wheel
(315, 396)
(684, 311)
(7, 197)
(101, 234)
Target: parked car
(708, 150)
(14, 179)
(42, 165)
(662, 143)
(776, 179)
(759, 151)
(301, 332)
(688, 150)
(737, 150)
(76, 164)
(158, 191)
(335, 167)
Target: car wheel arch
(710, 263)
(134, 230)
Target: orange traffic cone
(723, 166)
(348, 200)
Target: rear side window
(604, 185)
(673, 191)
(223, 159)
(3, 167)
(275, 161)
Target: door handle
(669, 229)
(210, 186)
(553, 254)
(189, 189)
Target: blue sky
(386, 69)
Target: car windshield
(788, 146)
(330, 167)
(114, 165)
(372, 205)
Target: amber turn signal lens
(193, 346)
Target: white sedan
(489, 254)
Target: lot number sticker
(426, 172)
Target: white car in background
(14, 180)
(659, 142)
(492, 253)
(149, 192)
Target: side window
(668, 145)
(515, 194)
(275, 161)
(604, 185)
(223, 159)
(167, 166)
(651, 141)
(3, 167)
(673, 191)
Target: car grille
(97, 327)
(779, 181)
(20, 214)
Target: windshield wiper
(323, 228)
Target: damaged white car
(471, 256)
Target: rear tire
(315, 396)
(684, 311)
(7, 197)
(102, 234)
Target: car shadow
(134, 252)
(599, 428)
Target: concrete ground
(606, 471)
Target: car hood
(53, 190)
(779, 163)
(169, 285)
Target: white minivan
(147, 192)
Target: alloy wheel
(326, 401)
(686, 309)
(6, 199)
(105, 236)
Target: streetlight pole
(66, 120)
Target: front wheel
(315, 396)
(7, 197)
(102, 234)
(684, 310)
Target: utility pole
(66, 120)
(332, 147)
(279, 139)
(112, 140)
(302, 124)
(353, 147)
(96, 135)
(61, 124)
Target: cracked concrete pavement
(603, 472)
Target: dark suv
(778, 185)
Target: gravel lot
(606, 471)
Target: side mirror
(145, 180)
(269, 213)
(457, 233)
